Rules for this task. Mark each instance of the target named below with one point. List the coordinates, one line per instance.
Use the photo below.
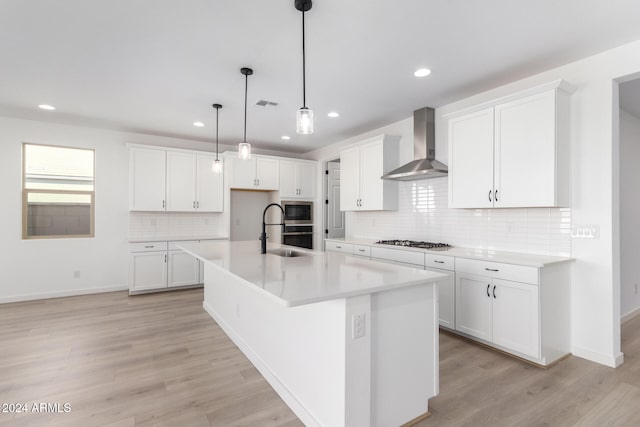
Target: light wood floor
(160, 360)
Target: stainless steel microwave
(298, 212)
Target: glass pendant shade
(244, 150)
(216, 166)
(304, 121)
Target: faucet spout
(263, 235)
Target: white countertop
(320, 276)
(516, 258)
(175, 238)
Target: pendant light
(244, 148)
(304, 117)
(216, 166)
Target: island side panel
(358, 361)
(299, 350)
(404, 361)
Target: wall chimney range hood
(424, 164)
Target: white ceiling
(156, 66)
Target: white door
(525, 151)
(474, 306)
(181, 182)
(148, 270)
(268, 173)
(350, 179)
(306, 179)
(471, 160)
(371, 169)
(288, 181)
(515, 317)
(147, 174)
(243, 173)
(446, 298)
(209, 186)
(184, 269)
(335, 216)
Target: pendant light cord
(304, 68)
(217, 111)
(246, 85)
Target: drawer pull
(439, 262)
(361, 250)
(491, 269)
(150, 246)
(338, 247)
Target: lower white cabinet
(160, 265)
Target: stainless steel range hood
(425, 164)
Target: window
(58, 197)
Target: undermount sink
(287, 253)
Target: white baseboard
(282, 390)
(603, 359)
(60, 294)
(630, 315)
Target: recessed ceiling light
(46, 107)
(198, 124)
(285, 137)
(422, 72)
(333, 114)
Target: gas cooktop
(415, 244)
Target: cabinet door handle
(194, 205)
(338, 247)
(494, 291)
(163, 203)
(488, 286)
(490, 196)
(197, 204)
(495, 195)
(491, 269)
(258, 182)
(439, 262)
(165, 258)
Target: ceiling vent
(264, 103)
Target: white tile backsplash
(152, 225)
(423, 215)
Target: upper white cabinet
(147, 171)
(297, 179)
(256, 173)
(173, 181)
(512, 152)
(361, 167)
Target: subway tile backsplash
(152, 225)
(423, 215)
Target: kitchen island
(343, 341)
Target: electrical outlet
(76, 275)
(585, 231)
(358, 322)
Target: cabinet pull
(361, 250)
(163, 203)
(197, 204)
(439, 262)
(258, 182)
(165, 258)
(495, 195)
(490, 196)
(194, 205)
(338, 247)
(488, 286)
(491, 269)
(149, 246)
(494, 291)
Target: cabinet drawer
(516, 273)
(346, 248)
(362, 250)
(439, 261)
(173, 246)
(398, 255)
(147, 246)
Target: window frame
(26, 191)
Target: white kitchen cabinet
(297, 179)
(256, 173)
(209, 185)
(512, 152)
(515, 316)
(173, 181)
(183, 269)
(147, 171)
(474, 315)
(147, 270)
(360, 170)
(181, 181)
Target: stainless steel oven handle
(298, 233)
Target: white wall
(595, 292)
(629, 212)
(44, 268)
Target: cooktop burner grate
(414, 244)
